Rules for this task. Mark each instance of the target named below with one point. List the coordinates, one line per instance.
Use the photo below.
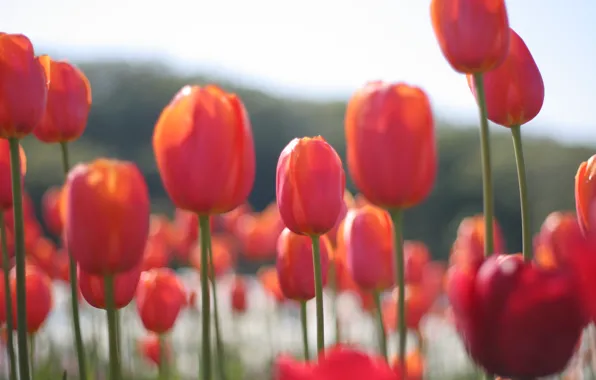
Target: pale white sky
(323, 48)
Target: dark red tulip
(125, 285)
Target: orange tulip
(220, 253)
(44, 255)
(417, 302)
(310, 186)
(269, 280)
(50, 207)
(390, 143)
(258, 233)
(473, 34)
(68, 104)
(368, 237)
(39, 297)
(107, 216)
(468, 248)
(514, 91)
(125, 285)
(416, 256)
(585, 196)
(348, 203)
(238, 295)
(557, 240)
(204, 149)
(6, 199)
(414, 366)
(160, 298)
(294, 264)
(229, 220)
(24, 86)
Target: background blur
(295, 64)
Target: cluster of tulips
(520, 316)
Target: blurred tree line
(127, 100)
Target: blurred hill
(127, 99)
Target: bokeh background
(295, 64)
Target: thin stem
(205, 237)
(6, 268)
(316, 255)
(19, 231)
(112, 328)
(487, 182)
(163, 360)
(32, 354)
(304, 322)
(74, 294)
(333, 285)
(220, 358)
(381, 325)
(397, 217)
(523, 193)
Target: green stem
(205, 237)
(381, 325)
(163, 360)
(487, 182)
(523, 193)
(15, 171)
(304, 322)
(397, 217)
(74, 293)
(32, 354)
(316, 255)
(220, 358)
(7, 299)
(112, 328)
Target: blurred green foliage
(127, 100)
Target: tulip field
(100, 287)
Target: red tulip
(149, 347)
(238, 295)
(220, 253)
(24, 86)
(418, 303)
(514, 91)
(50, 204)
(295, 264)
(107, 216)
(416, 256)
(156, 255)
(368, 239)
(38, 287)
(160, 298)
(468, 248)
(517, 320)
(269, 279)
(310, 186)
(339, 363)
(68, 104)
(204, 149)
(390, 143)
(473, 34)
(348, 203)
(125, 285)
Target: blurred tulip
(220, 253)
(230, 219)
(585, 196)
(414, 366)
(160, 297)
(416, 257)
(269, 280)
(418, 303)
(156, 255)
(473, 34)
(338, 363)
(125, 285)
(39, 297)
(204, 149)
(44, 255)
(5, 178)
(516, 320)
(50, 207)
(295, 267)
(514, 91)
(368, 238)
(62, 266)
(468, 248)
(310, 186)
(107, 216)
(348, 203)
(238, 295)
(24, 86)
(149, 347)
(557, 239)
(68, 103)
(390, 144)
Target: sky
(323, 49)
